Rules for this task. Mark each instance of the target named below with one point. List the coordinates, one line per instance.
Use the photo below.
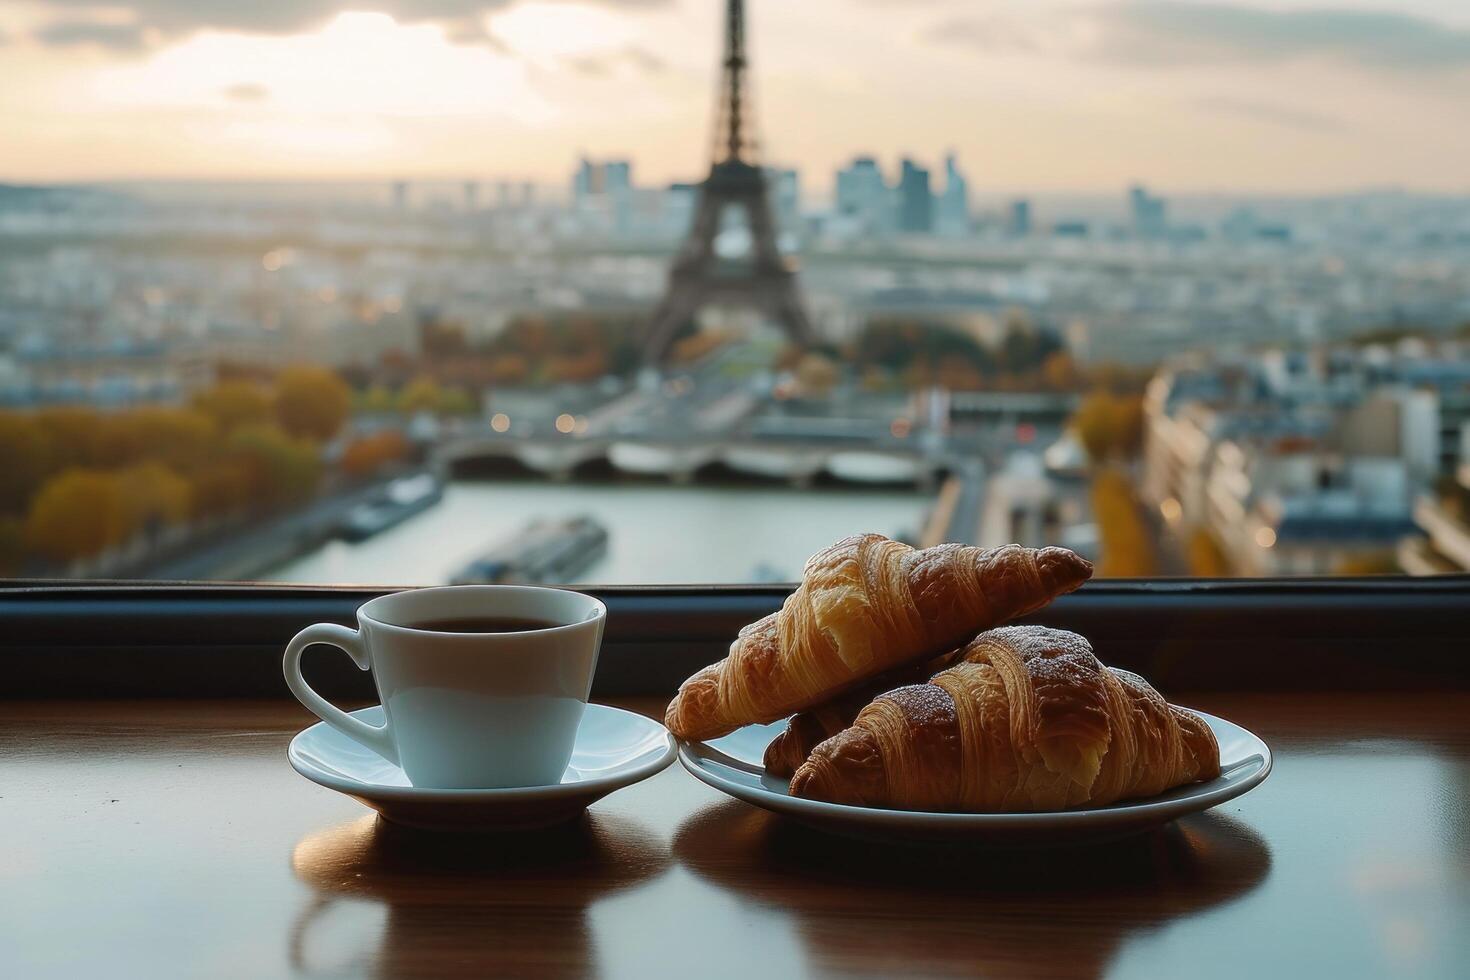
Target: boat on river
(544, 552)
(397, 502)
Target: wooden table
(162, 839)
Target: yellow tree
(282, 469)
(153, 497)
(12, 545)
(74, 435)
(25, 460)
(422, 394)
(234, 403)
(76, 514)
(311, 402)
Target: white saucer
(733, 765)
(615, 748)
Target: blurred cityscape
(219, 380)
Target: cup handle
(379, 739)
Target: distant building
(915, 200)
(602, 195)
(400, 195)
(785, 196)
(953, 215)
(1071, 229)
(862, 195)
(471, 196)
(1297, 462)
(1019, 223)
(1150, 214)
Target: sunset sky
(1043, 95)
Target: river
(657, 533)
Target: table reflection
(510, 903)
(1015, 913)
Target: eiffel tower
(735, 180)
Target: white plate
(615, 748)
(733, 764)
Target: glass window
(489, 294)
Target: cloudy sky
(1045, 95)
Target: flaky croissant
(866, 605)
(1031, 721)
(807, 729)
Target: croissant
(807, 729)
(1030, 721)
(866, 605)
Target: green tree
(282, 470)
(76, 514)
(422, 394)
(25, 460)
(311, 402)
(457, 401)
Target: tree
(311, 402)
(232, 404)
(1206, 557)
(25, 460)
(178, 437)
(457, 401)
(1127, 545)
(153, 497)
(422, 394)
(816, 374)
(76, 514)
(371, 453)
(1109, 426)
(221, 488)
(1059, 372)
(282, 470)
(73, 435)
(12, 545)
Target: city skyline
(1058, 97)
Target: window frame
(137, 640)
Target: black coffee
(483, 624)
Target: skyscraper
(915, 201)
(1020, 220)
(785, 185)
(953, 218)
(1150, 214)
(862, 194)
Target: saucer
(734, 765)
(615, 748)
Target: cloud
(1177, 33)
(75, 33)
(178, 17)
(603, 63)
(1270, 112)
(1153, 33)
(993, 34)
(246, 92)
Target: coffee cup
(482, 686)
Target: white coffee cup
(467, 710)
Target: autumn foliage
(1126, 542)
(77, 481)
